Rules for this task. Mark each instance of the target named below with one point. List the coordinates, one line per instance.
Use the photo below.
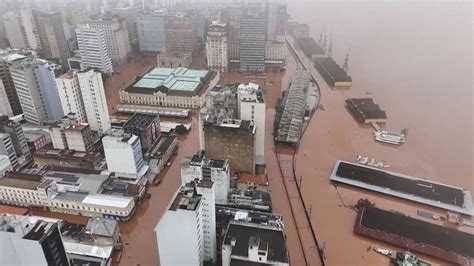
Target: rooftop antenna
(345, 67)
(329, 52)
(320, 41)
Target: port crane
(345, 67)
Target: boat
(383, 251)
(389, 137)
(408, 259)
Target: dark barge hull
(332, 73)
(412, 234)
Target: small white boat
(389, 137)
(383, 251)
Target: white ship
(383, 251)
(389, 137)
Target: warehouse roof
(107, 200)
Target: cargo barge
(365, 110)
(403, 186)
(332, 73)
(434, 240)
(310, 48)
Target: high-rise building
(188, 226)
(41, 240)
(93, 48)
(6, 148)
(252, 43)
(123, 153)
(181, 33)
(252, 107)
(93, 97)
(18, 140)
(145, 126)
(14, 30)
(6, 60)
(29, 27)
(5, 108)
(231, 139)
(276, 20)
(151, 31)
(69, 134)
(116, 36)
(217, 47)
(35, 84)
(51, 36)
(198, 167)
(70, 95)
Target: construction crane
(345, 67)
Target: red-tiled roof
(261, 180)
(13, 210)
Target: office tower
(123, 153)
(18, 140)
(35, 84)
(276, 21)
(6, 148)
(14, 30)
(6, 59)
(70, 95)
(151, 31)
(29, 27)
(181, 33)
(93, 48)
(217, 47)
(93, 97)
(5, 108)
(252, 43)
(116, 36)
(51, 36)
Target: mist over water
(416, 60)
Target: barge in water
(412, 234)
(403, 186)
(332, 73)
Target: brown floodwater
(401, 55)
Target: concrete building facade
(93, 97)
(231, 139)
(17, 137)
(123, 152)
(5, 108)
(6, 60)
(151, 31)
(93, 48)
(35, 85)
(217, 47)
(69, 134)
(116, 36)
(252, 44)
(51, 36)
(181, 33)
(14, 30)
(70, 95)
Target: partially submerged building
(171, 87)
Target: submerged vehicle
(408, 259)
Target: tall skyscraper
(276, 20)
(181, 33)
(6, 60)
(70, 95)
(51, 36)
(252, 43)
(14, 30)
(217, 47)
(93, 48)
(18, 140)
(35, 84)
(95, 103)
(116, 36)
(151, 31)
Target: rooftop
(160, 146)
(185, 201)
(246, 177)
(66, 154)
(170, 80)
(101, 226)
(19, 183)
(241, 233)
(108, 200)
(141, 121)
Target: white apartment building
(95, 103)
(123, 153)
(252, 107)
(70, 95)
(198, 167)
(188, 227)
(116, 37)
(35, 85)
(217, 47)
(93, 48)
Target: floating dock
(403, 186)
(365, 110)
(332, 73)
(412, 234)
